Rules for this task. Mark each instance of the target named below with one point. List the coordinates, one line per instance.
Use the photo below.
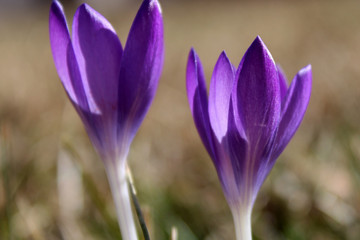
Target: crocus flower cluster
(110, 87)
(247, 121)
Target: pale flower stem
(120, 191)
(242, 222)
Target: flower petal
(141, 65)
(233, 174)
(64, 58)
(219, 95)
(197, 97)
(282, 82)
(98, 52)
(238, 111)
(295, 105)
(257, 96)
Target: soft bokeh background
(53, 186)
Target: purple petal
(64, 58)
(238, 111)
(282, 82)
(234, 178)
(68, 70)
(257, 100)
(257, 96)
(219, 95)
(141, 65)
(295, 105)
(197, 97)
(98, 52)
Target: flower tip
(258, 38)
(56, 14)
(305, 70)
(84, 7)
(223, 56)
(258, 42)
(56, 6)
(258, 45)
(150, 5)
(192, 53)
(89, 14)
(155, 3)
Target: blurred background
(53, 186)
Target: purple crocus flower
(110, 87)
(246, 123)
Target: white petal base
(242, 222)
